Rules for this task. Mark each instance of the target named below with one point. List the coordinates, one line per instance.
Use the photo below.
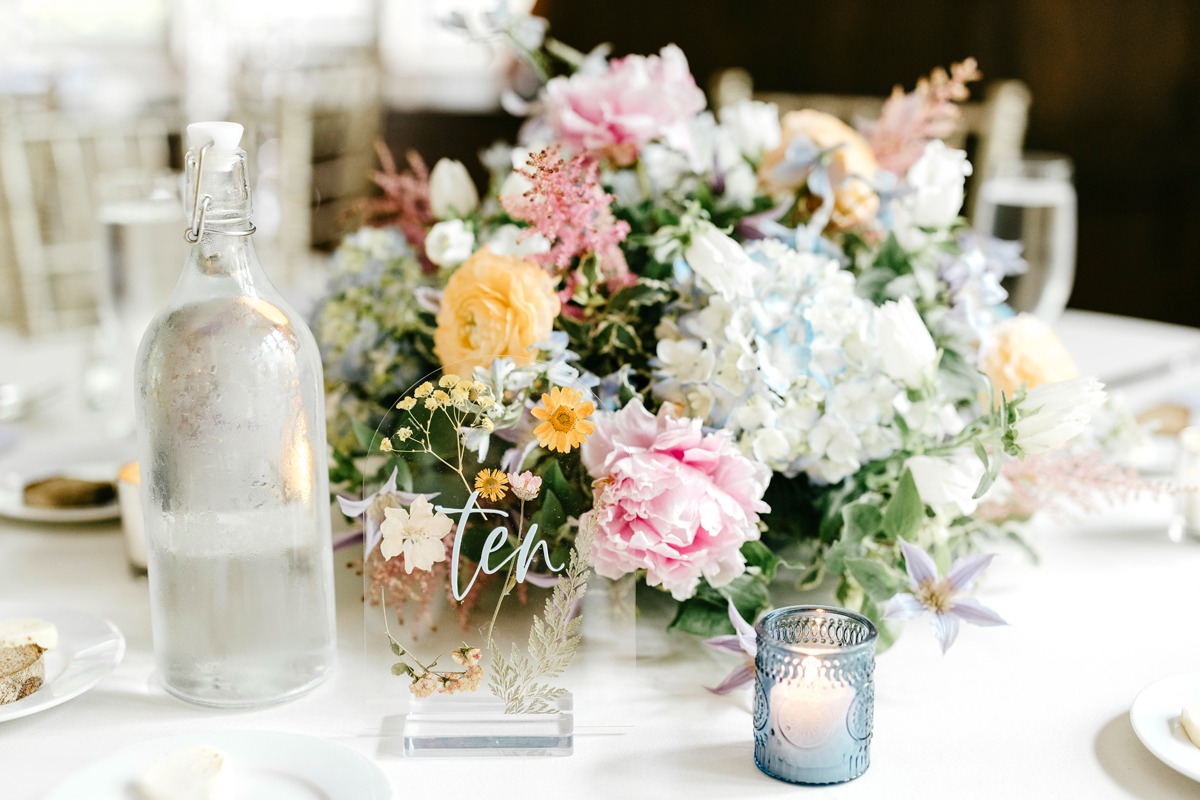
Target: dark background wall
(1116, 85)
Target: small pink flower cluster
(428, 682)
(567, 205)
(911, 120)
(525, 485)
(405, 202)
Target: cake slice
(22, 672)
(193, 773)
(18, 632)
(1190, 717)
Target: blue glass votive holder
(814, 694)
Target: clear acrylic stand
(478, 726)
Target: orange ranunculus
(494, 306)
(1025, 351)
(855, 202)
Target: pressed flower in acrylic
(416, 534)
(941, 596)
(525, 485)
(492, 484)
(565, 425)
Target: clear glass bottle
(231, 431)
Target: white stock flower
(449, 243)
(753, 125)
(938, 178)
(1054, 413)
(721, 262)
(906, 349)
(452, 193)
(945, 482)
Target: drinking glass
(1032, 200)
(141, 234)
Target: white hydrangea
(789, 367)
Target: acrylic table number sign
(487, 632)
(814, 694)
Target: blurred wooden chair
(311, 130)
(992, 129)
(50, 251)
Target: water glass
(141, 233)
(1186, 522)
(1032, 200)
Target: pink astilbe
(911, 120)
(405, 200)
(1065, 484)
(420, 587)
(568, 206)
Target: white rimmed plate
(267, 764)
(89, 647)
(1155, 718)
(12, 494)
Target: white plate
(1155, 718)
(88, 649)
(12, 494)
(260, 764)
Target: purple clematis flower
(372, 506)
(743, 643)
(930, 592)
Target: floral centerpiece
(800, 358)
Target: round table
(1038, 709)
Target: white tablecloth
(1038, 709)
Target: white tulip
(1054, 413)
(452, 193)
(721, 263)
(906, 349)
(945, 482)
(449, 243)
(937, 178)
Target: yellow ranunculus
(1025, 351)
(855, 202)
(493, 306)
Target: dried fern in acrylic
(520, 679)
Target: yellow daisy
(564, 428)
(491, 484)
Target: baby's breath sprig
(425, 679)
(467, 404)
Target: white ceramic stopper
(225, 136)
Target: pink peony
(675, 501)
(613, 113)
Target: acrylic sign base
(478, 726)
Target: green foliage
(707, 612)
(877, 580)
(905, 512)
(619, 332)
(760, 556)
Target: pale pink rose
(674, 501)
(635, 100)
